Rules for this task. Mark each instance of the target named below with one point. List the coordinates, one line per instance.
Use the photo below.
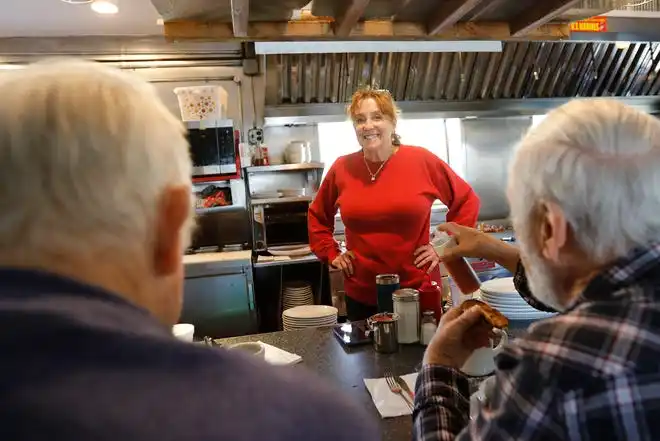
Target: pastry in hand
(494, 318)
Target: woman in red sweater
(384, 193)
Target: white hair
(85, 154)
(599, 160)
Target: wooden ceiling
(220, 20)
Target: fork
(395, 388)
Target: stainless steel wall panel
(488, 145)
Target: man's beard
(543, 283)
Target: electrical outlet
(256, 135)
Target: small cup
(255, 349)
(184, 331)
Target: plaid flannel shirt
(592, 373)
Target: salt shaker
(429, 326)
(406, 305)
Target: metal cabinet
(220, 305)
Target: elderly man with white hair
(95, 213)
(584, 192)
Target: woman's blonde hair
(384, 101)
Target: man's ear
(172, 215)
(553, 230)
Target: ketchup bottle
(458, 268)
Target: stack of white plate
(297, 294)
(309, 316)
(501, 294)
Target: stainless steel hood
(522, 71)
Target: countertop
(347, 367)
(223, 256)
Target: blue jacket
(79, 363)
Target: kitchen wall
(278, 137)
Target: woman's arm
(321, 220)
(454, 192)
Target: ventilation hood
(522, 72)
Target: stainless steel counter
(265, 261)
(219, 294)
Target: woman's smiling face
(373, 129)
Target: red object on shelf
(217, 178)
(483, 265)
(430, 299)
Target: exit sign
(593, 24)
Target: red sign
(593, 24)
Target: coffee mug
(184, 331)
(255, 349)
(482, 360)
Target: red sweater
(386, 220)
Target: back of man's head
(599, 160)
(88, 156)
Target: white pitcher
(482, 360)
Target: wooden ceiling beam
(240, 15)
(542, 13)
(449, 13)
(367, 30)
(349, 16)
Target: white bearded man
(584, 192)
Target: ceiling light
(105, 6)
(325, 47)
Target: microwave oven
(279, 224)
(212, 147)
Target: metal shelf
(281, 200)
(285, 167)
(217, 209)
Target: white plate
(306, 325)
(511, 306)
(503, 298)
(507, 305)
(503, 286)
(294, 328)
(332, 318)
(314, 320)
(311, 311)
(297, 289)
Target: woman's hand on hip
(426, 255)
(344, 262)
